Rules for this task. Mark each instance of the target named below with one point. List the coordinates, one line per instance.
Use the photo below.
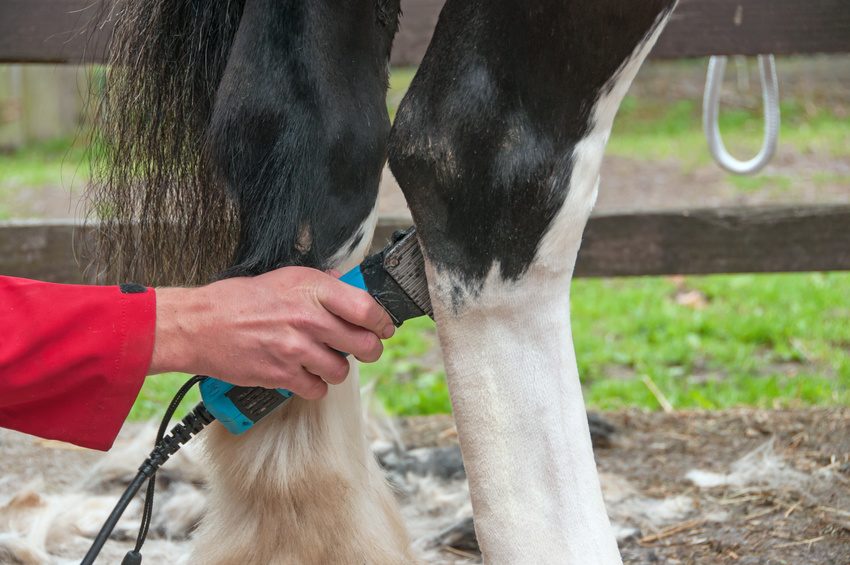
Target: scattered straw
(671, 531)
(801, 542)
(792, 508)
(656, 392)
(833, 510)
(762, 512)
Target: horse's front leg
(497, 147)
(298, 137)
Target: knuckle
(371, 347)
(316, 389)
(365, 309)
(301, 322)
(294, 348)
(339, 372)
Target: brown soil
(49, 202)
(653, 451)
(769, 525)
(772, 525)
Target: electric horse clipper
(395, 277)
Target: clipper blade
(406, 265)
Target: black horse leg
(298, 137)
(299, 127)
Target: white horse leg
(519, 411)
(505, 331)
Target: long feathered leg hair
(160, 218)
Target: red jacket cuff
(73, 358)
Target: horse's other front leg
(497, 147)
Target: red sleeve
(72, 358)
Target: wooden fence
(59, 31)
(800, 238)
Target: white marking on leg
(347, 257)
(564, 236)
(514, 382)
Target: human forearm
(179, 312)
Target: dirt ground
(797, 513)
(764, 524)
(790, 523)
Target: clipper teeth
(406, 266)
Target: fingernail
(388, 331)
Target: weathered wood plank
(57, 31)
(735, 240)
(699, 28)
(762, 240)
(51, 31)
(42, 250)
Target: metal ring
(710, 112)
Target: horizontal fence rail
(42, 250)
(732, 240)
(739, 240)
(64, 31)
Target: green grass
(400, 78)
(762, 340)
(653, 131)
(156, 394)
(821, 179)
(407, 383)
(739, 350)
(59, 162)
(777, 183)
(39, 164)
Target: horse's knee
(482, 178)
(497, 144)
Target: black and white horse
(244, 135)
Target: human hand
(276, 330)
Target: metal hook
(710, 111)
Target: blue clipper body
(394, 277)
(239, 407)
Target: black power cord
(165, 447)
